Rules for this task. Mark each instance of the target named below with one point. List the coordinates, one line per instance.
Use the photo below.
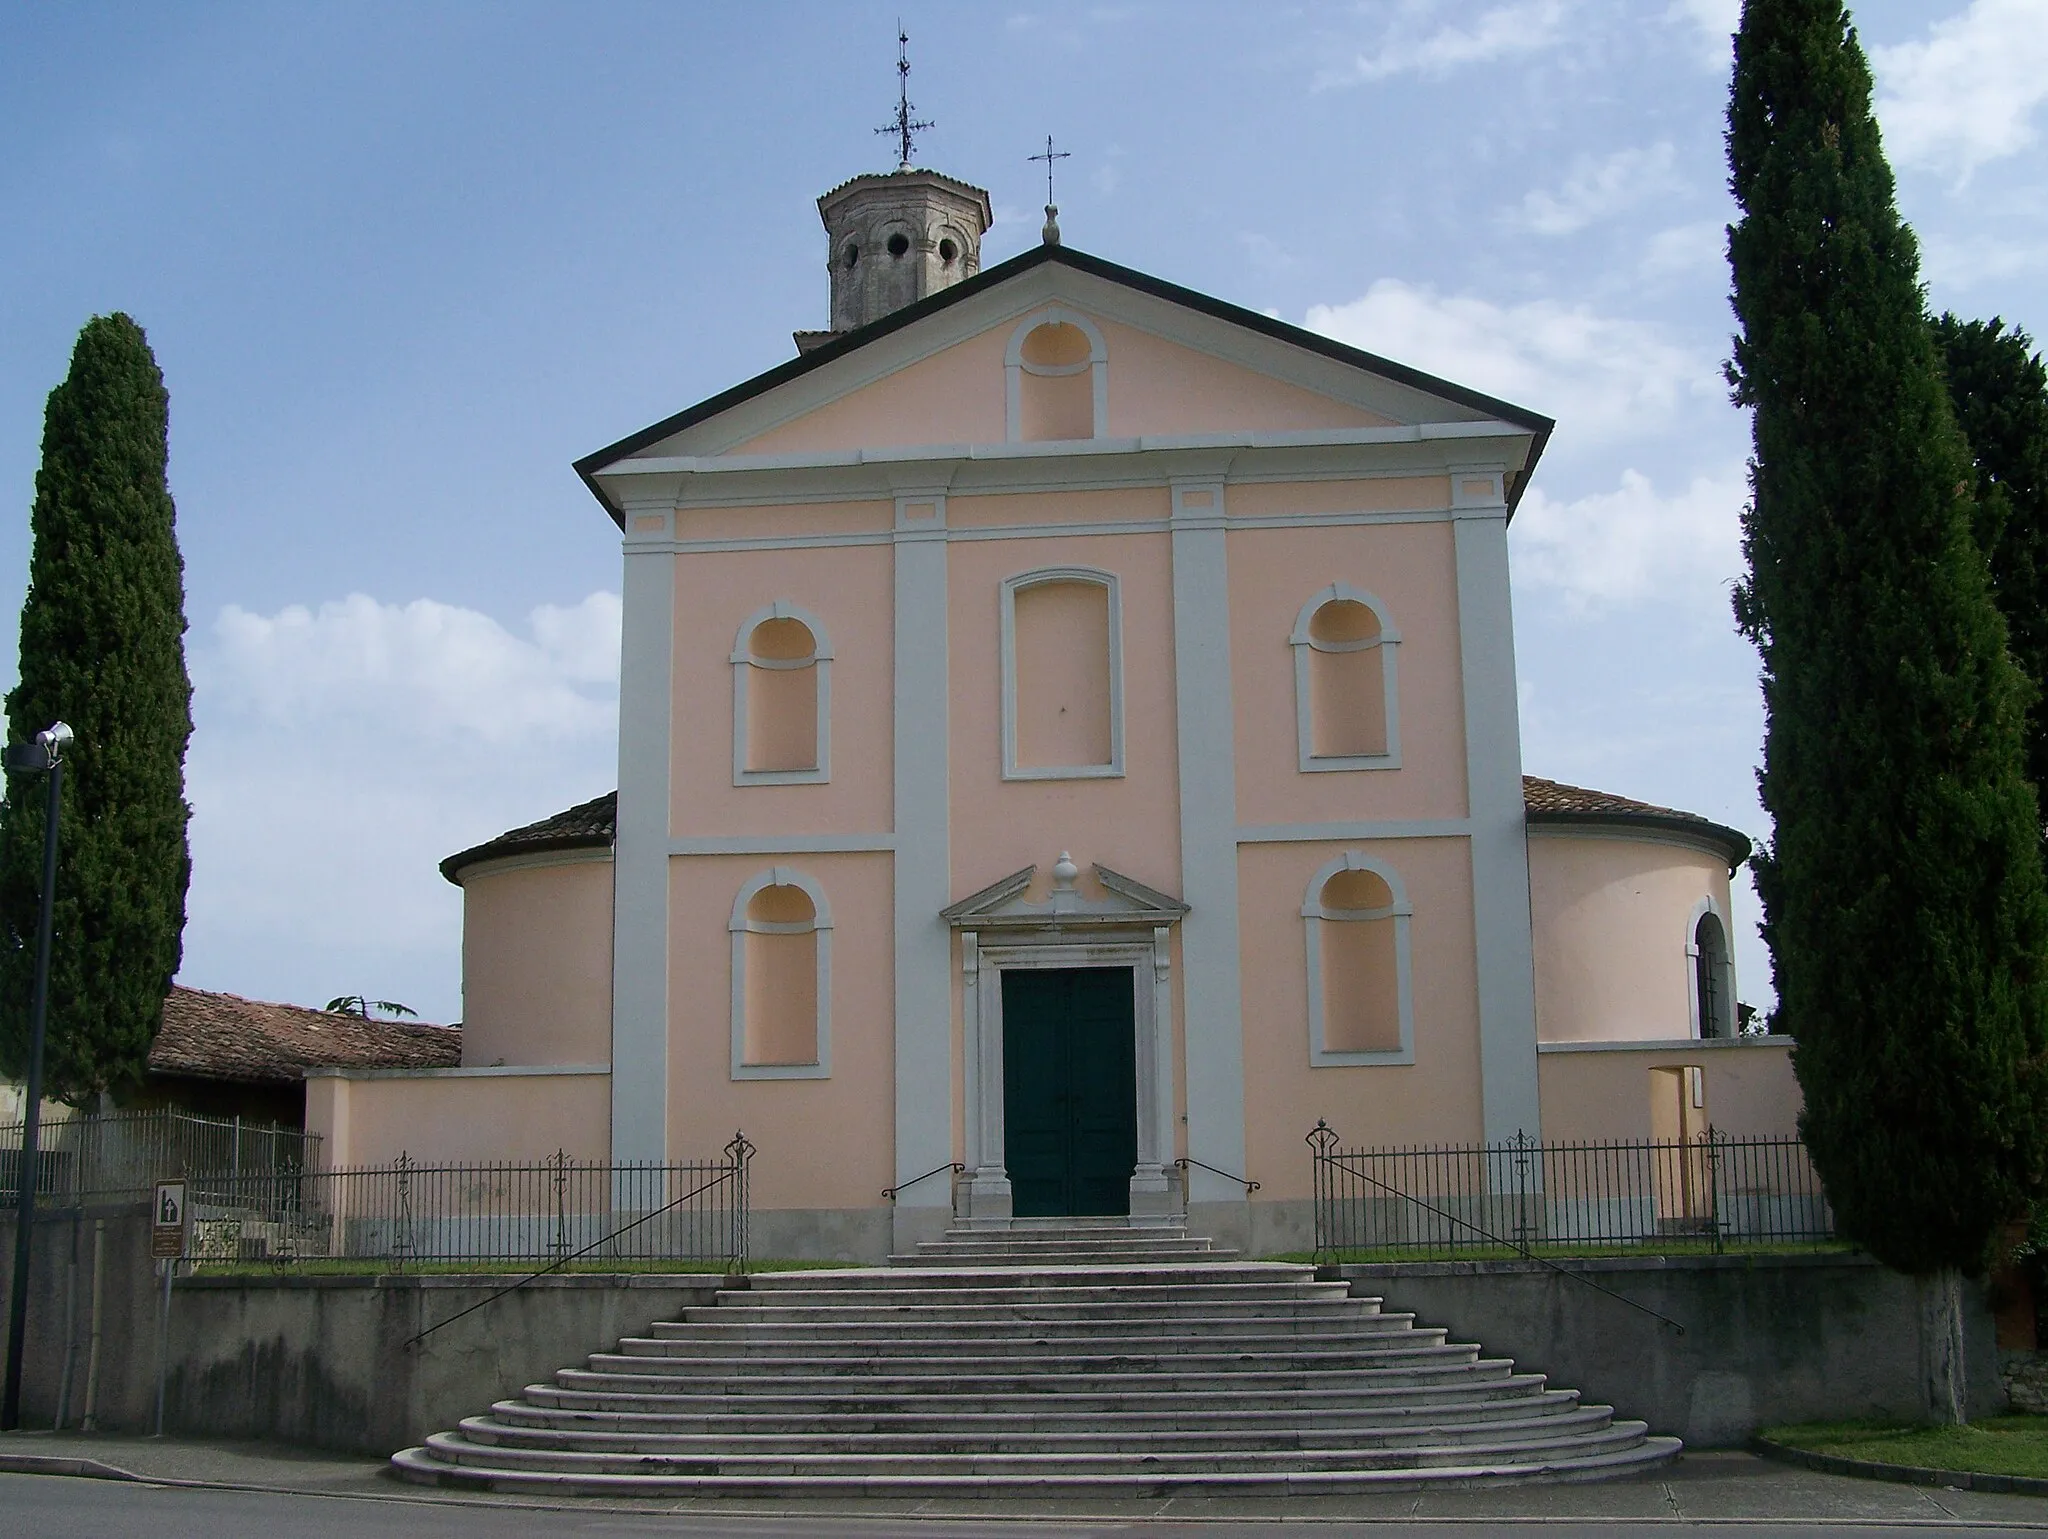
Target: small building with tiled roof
(223, 1055)
(1068, 737)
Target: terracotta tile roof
(1553, 802)
(224, 1036)
(587, 825)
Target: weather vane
(905, 125)
(1051, 233)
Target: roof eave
(1733, 845)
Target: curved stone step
(1071, 1365)
(414, 1464)
(1510, 1398)
(961, 1349)
(1130, 1406)
(1537, 1422)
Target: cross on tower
(904, 126)
(1049, 157)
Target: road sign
(168, 1222)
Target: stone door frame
(982, 1198)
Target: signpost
(170, 1226)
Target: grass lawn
(326, 1267)
(1997, 1445)
(1567, 1252)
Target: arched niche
(781, 698)
(1347, 694)
(781, 929)
(1360, 990)
(1056, 378)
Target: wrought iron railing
(406, 1213)
(1711, 1192)
(118, 1156)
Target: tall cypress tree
(103, 648)
(1999, 390)
(1903, 890)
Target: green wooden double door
(1070, 1098)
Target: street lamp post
(44, 756)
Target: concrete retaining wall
(1767, 1340)
(323, 1360)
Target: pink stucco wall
(1411, 569)
(1612, 920)
(458, 1117)
(958, 395)
(537, 963)
(851, 593)
(1433, 1100)
(824, 1143)
(1157, 386)
(1129, 823)
(1605, 1093)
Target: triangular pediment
(1006, 905)
(1181, 367)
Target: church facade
(1068, 746)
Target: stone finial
(1051, 233)
(1065, 898)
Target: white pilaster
(923, 885)
(640, 857)
(1493, 776)
(1210, 992)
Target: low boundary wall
(322, 1360)
(1768, 1339)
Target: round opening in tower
(852, 255)
(948, 251)
(898, 244)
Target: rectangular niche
(1062, 675)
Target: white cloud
(420, 670)
(1685, 249)
(1716, 21)
(1267, 253)
(341, 751)
(1945, 260)
(1966, 94)
(1597, 189)
(1601, 377)
(1632, 544)
(1495, 34)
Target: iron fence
(117, 1156)
(1713, 1192)
(554, 1212)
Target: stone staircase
(1060, 1359)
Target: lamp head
(55, 738)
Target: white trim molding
(743, 664)
(1096, 365)
(1700, 910)
(1315, 914)
(986, 1196)
(1387, 643)
(819, 926)
(1113, 597)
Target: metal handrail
(1183, 1163)
(953, 1165)
(1321, 1139)
(740, 1150)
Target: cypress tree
(1902, 887)
(1999, 391)
(103, 648)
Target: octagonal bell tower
(892, 240)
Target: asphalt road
(56, 1507)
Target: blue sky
(402, 263)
